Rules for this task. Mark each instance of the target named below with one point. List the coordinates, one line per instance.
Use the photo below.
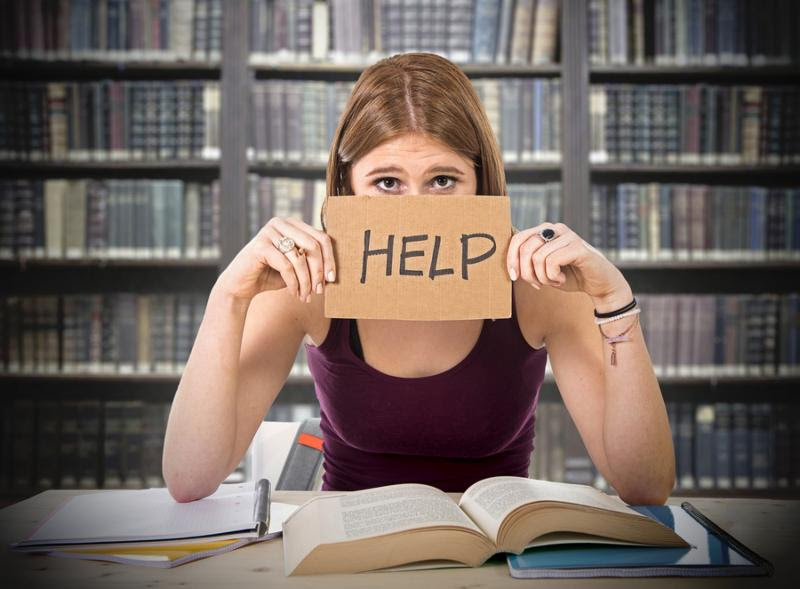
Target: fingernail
(331, 276)
(308, 298)
(536, 286)
(512, 273)
(319, 288)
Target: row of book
(117, 443)
(294, 120)
(111, 29)
(695, 222)
(718, 446)
(82, 443)
(109, 120)
(694, 124)
(703, 335)
(722, 335)
(693, 32)
(85, 443)
(108, 333)
(109, 218)
(727, 445)
(464, 31)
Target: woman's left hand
(566, 262)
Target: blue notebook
(713, 553)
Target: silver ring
(547, 234)
(285, 245)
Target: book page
(489, 501)
(381, 510)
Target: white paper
(152, 514)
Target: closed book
(47, 443)
(89, 415)
(741, 446)
(522, 31)
(131, 448)
(763, 445)
(722, 445)
(704, 446)
(685, 448)
(712, 552)
(69, 438)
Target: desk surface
(770, 527)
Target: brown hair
(414, 92)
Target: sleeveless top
(448, 430)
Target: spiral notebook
(713, 553)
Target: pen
(261, 507)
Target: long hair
(414, 92)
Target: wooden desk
(770, 527)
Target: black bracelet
(627, 307)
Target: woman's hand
(566, 262)
(261, 266)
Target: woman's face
(413, 163)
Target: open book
(410, 523)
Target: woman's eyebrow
(438, 169)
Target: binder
(713, 553)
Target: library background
(665, 132)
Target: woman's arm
(248, 339)
(618, 409)
(242, 354)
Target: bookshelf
(239, 71)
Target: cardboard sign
(419, 257)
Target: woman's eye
(379, 183)
(446, 179)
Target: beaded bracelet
(617, 317)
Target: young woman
(445, 403)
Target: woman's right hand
(261, 266)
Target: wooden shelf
(208, 169)
(699, 73)
(317, 171)
(704, 278)
(699, 264)
(720, 169)
(101, 263)
(45, 278)
(130, 69)
(267, 67)
(771, 493)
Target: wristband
(607, 314)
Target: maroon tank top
(448, 430)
